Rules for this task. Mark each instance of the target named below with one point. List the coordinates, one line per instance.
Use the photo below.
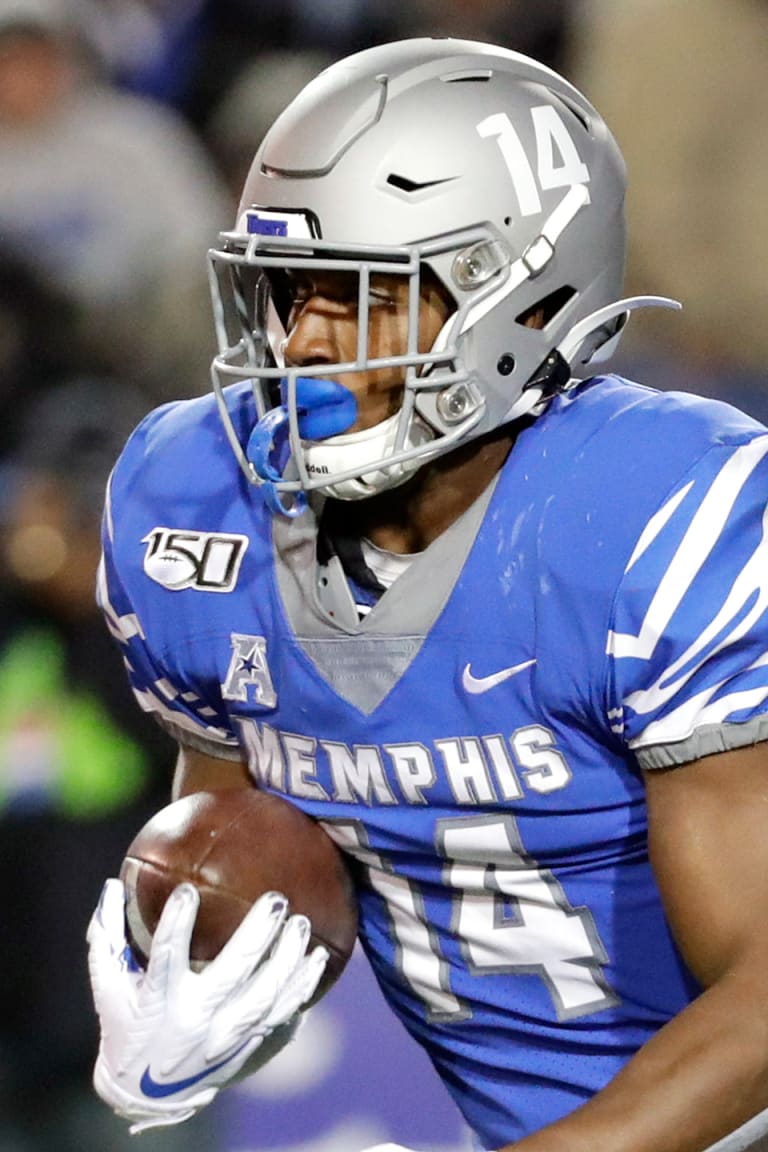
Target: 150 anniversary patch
(178, 559)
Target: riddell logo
(319, 469)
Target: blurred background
(126, 127)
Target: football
(234, 845)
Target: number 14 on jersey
(509, 916)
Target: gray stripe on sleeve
(705, 741)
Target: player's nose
(313, 339)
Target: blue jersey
(476, 741)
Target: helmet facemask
(301, 443)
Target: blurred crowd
(126, 128)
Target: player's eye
(384, 292)
(294, 289)
(381, 298)
(300, 289)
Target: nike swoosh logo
(151, 1088)
(475, 685)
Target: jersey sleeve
(184, 708)
(688, 646)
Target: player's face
(322, 329)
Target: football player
(499, 622)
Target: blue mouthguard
(324, 408)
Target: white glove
(171, 1037)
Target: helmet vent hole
(574, 109)
(547, 308)
(473, 77)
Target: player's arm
(201, 772)
(706, 1072)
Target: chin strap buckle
(553, 375)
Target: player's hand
(171, 1037)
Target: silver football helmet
(463, 158)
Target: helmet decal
(552, 137)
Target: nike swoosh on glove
(171, 1037)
